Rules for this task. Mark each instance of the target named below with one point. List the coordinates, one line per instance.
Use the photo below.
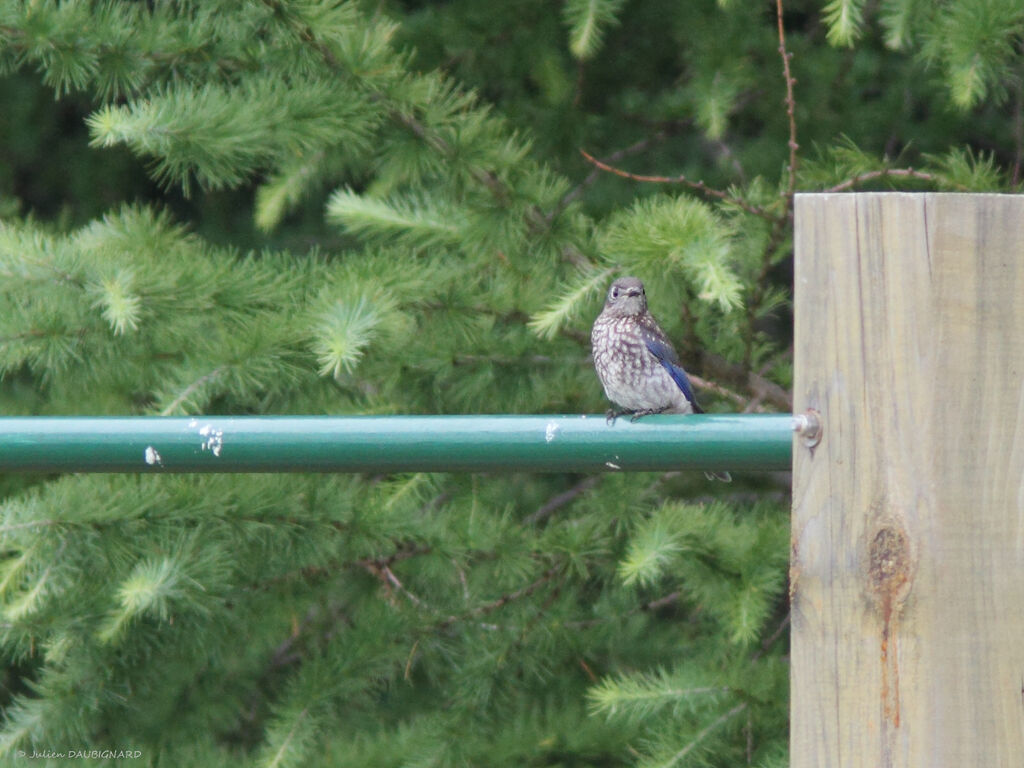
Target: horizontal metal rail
(586, 443)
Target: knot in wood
(889, 561)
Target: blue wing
(667, 357)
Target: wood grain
(907, 570)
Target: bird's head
(626, 297)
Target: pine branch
(638, 696)
(417, 220)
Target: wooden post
(907, 572)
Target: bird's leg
(611, 415)
(646, 412)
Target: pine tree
(333, 208)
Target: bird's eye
(615, 293)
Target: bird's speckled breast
(631, 376)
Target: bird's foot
(646, 412)
(611, 415)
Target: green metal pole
(584, 443)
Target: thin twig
(770, 640)
(661, 602)
(504, 600)
(718, 389)
(653, 605)
(726, 152)
(388, 579)
(462, 579)
(705, 731)
(779, 224)
(758, 386)
(881, 174)
(700, 186)
(30, 524)
(283, 655)
(393, 580)
(192, 388)
(395, 557)
(381, 569)
(614, 157)
(790, 109)
(561, 499)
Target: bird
(636, 363)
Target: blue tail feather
(663, 352)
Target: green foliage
(974, 42)
(344, 207)
(587, 20)
(641, 697)
(902, 19)
(346, 328)
(734, 564)
(222, 135)
(590, 281)
(977, 45)
(676, 234)
(962, 169)
(715, 97)
(415, 223)
(844, 19)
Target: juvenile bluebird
(635, 361)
